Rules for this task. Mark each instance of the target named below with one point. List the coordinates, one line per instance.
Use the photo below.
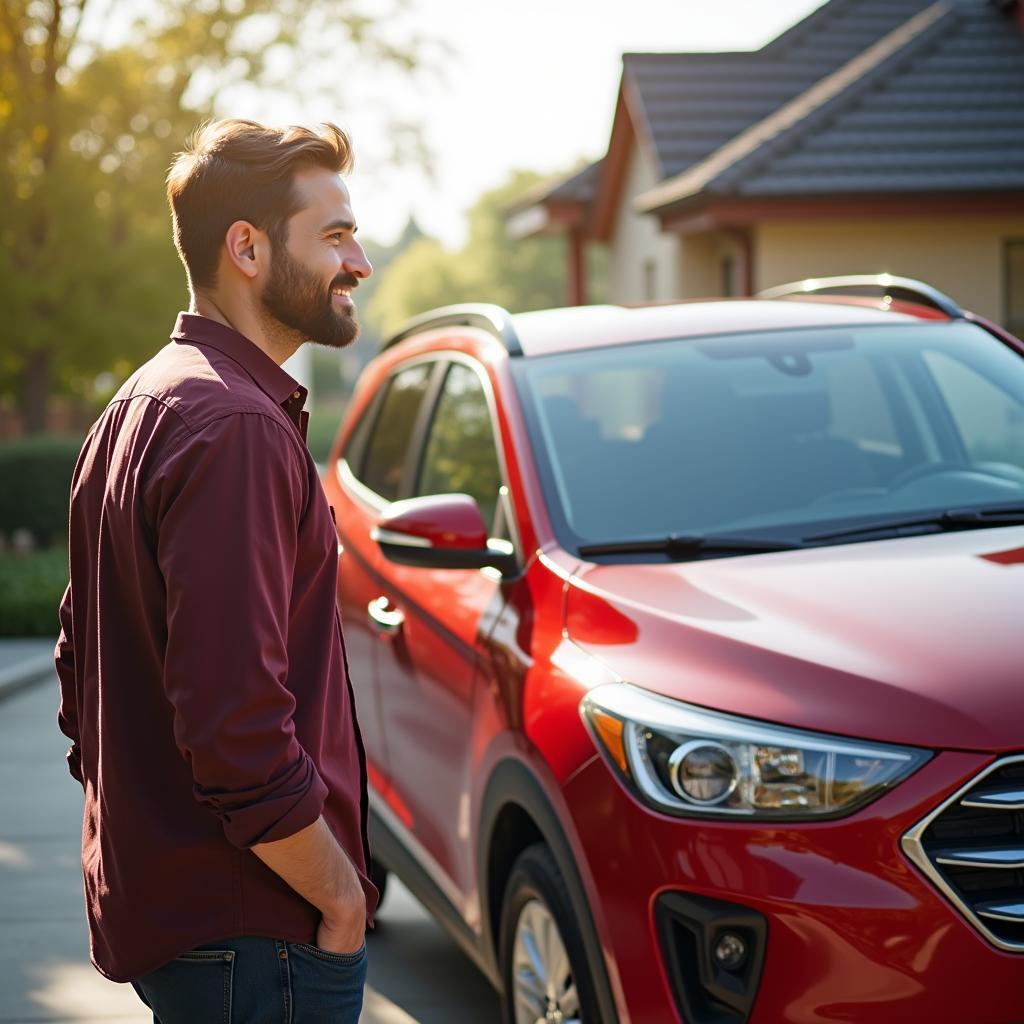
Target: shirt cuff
(286, 805)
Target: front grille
(972, 849)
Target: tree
(87, 132)
(491, 267)
(86, 262)
(424, 276)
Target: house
(874, 135)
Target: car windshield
(784, 435)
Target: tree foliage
(491, 267)
(88, 276)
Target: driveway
(417, 974)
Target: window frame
(443, 359)
(348, 473)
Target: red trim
(709, 215)
(613, 170)
(568, 212)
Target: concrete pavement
(417, 974)
(24, 662)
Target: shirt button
(296, 395)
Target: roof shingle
(948, 116)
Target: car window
(990, 422)
(775, 430)
(460, 455)
(388, 445)
(621, 404)
(355, 447)
(860, 412)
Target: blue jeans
(256, 981)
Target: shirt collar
(269, 377)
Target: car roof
(577, 327)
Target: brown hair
(239, 170)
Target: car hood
(912, 640)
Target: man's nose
(357, 263)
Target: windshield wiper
(951, 519)
(680, 545)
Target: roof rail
(891, 287)
(487, 317)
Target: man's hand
(317, 868)
(344, 931)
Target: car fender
(514, 782)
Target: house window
(728, 276)
(1014, 275)
(650, 280)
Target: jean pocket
(342, 959)
(327, 988)
(196, 986)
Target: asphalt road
(417, 974)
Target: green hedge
(35, 481)
(323, 428)
(31, 587)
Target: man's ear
(248, 248)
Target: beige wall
(960, 256)
(647, 264)
(701, 270)
(637, 241)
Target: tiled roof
(941, 110)
(693, 103)
(947, 115)
(578, 187)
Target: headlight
(686, 760)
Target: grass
(31, 587)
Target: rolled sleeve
(226, 507)
(277, 810)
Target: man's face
(319, 262)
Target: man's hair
(239, 170)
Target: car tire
(379, 876)
(542, 971)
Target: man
(203, 676)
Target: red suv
(688, 648)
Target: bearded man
(202, 664)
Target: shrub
(323, 428)
(31, 587)
(35, 482)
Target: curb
(25, 674)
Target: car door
(431, 666)
(369, 474)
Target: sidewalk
(417, 974)
(24, 662)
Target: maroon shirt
(203, 676)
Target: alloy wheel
(544, 986)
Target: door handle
(387, 621)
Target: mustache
(345, 281)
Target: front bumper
(854, 931)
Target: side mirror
(441, 531)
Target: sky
(529, 85)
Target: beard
(297, 299)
